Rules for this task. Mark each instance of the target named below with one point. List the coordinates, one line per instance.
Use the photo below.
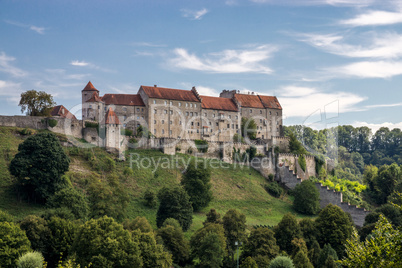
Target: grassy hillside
(233, 186)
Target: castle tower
(87, 93)
(112, 125)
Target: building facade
(184, 114)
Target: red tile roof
(90, 87)
(123, 99)
(61, 111)
(270, 102)
(251, 101)
(95, 98)
(217, 103)
(111, 117)
(170, 93)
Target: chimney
(155, 85)
(193, 88)
(252, 93)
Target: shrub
(71, 199)
(202, 145)
(150, 199)
(271, 177)
(306, 198)
(238, 138)
(302, 162)
(274, 189)
(52, 122)
(25, 132)
(126, 132)
(30, 260)
(91, 124)
(281, 262)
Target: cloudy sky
(328, 61)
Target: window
(186, 113)
(154, 121)
(195, 105)
(138, 117)
(213, 115)
(237, 117)
(180, 123)
(198, 123)
(154, 131)
(170, 132)
(260, 120)
(237, 126)
(251, 111)
(196, 114)
(277, 113)
(90, 106)
(163, 121)
(198, 131)
(179, 104)
(192, 123)
(142, 117)
(277, 123)
(171, 111)
(217, 124)
(142, 109)
(191, 105)
(138, 125)
(165, 111)
(171, 122)
(228, 126)
(230, 117)
(125, 117)
(124, 125)
(186, 104)
(163, 131)
(191, 114)
(260, 111)
(171, 103)
(154, 111)
(270, 113)
(210, 123)
(124, 109)
(165, 102)
(232, 126)
(205, 114)
(154, 101)
(138, 109)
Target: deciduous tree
(306, 198)
(13, 243)
(36, 103)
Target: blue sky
(328, 61)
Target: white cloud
(305, 101)
(386, 45)
(79, 63)
(374, 127)
(384, 105)
(194, 14)
(11, 91)
(227, 61)
(375, 17)
(39, 30)
(207, 91)
(368, 69)
(6, 67)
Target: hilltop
(104, 178)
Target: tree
(210, 251)
(261, 242)
(196, 182)
(30, 260)
(334, 227)
(212, 217)
(286, 230)
(295, 146)
(301, 260)
(105, 241)
(306, 198)
(327, 256)
(37, 231)
(198, 243)
(13, 243)
(234, 223)
(281, 262)
(72, 199)
(36, 103)
(248, 128)
(381, 249)
(249, 263)
(174, 203)
(40, 164)
(139, 223)
(308, 231)
(174, 241)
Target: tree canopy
(36, 103)
(40, 164)
(306, 198)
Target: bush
(150, 199)
(30, 260)
(52, 122)
(91, 125)
(25, 132)
(202, 145)
(238, 138)
(281, 262)
(306, 198)
(274, 189)
(126, 132)
(72, 199)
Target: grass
(233, 186)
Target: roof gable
(62, 111)
(95, 98)
(111, 117)
(217, 103)
(90, 87)
(251, 101)
(270, 102)
(170, 94)
(123, 99)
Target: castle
(182, 114)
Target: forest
(84, 221)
